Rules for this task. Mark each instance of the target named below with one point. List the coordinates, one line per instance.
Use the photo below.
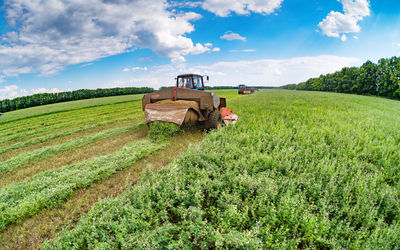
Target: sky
(62, 45)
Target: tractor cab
(190, 81)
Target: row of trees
(381, 79)
(48, 98)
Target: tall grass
(306, 170)
(48, 189)
(44, 152)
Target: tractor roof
(189, 75)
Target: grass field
(299, 169)
(60, 107)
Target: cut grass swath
(80, 121)
(48, 151)
(160, 131)
(74, 115)
(49, 188)
(17, 115)
(52, 136)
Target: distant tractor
(243, 90)
(187, 103)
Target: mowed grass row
(52, 136)
(49, 188)
(299, 169)
(44, 130)
(29, 233)
(61, 116)
(44, 152)
(20, 114)
(52, 119)
(64, 120)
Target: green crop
(160, 131)
(48, 151)
(299, 169)
(47, 189)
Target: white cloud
(265, 72)
(216, 49)
(224, 8)
(337, 23)
(242, 50)
(268, 72)
(8, 92)
(47, 36)
(44, 90)
(184, 4)
(230, 36)
(356, 37)
(343, 38)
(13, 91)
(134, 69)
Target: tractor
(244, 90)
(187, 103)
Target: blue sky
(50, 46)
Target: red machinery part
(226, 112)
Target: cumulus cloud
(268, 72)
(134, 69)
(184, 4)
(264, 72)
(230, 36)
(337, 23)
(44, 90)
(8, 92)
(47, 36)
(224, 8)
(13, 91)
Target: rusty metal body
(180, 105)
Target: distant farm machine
(188, 103)
(244, 90)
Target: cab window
(197, 84)
(185, 82)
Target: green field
(299, 169)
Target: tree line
(49, 98)
(381, 79)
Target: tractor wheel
(214, 120)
